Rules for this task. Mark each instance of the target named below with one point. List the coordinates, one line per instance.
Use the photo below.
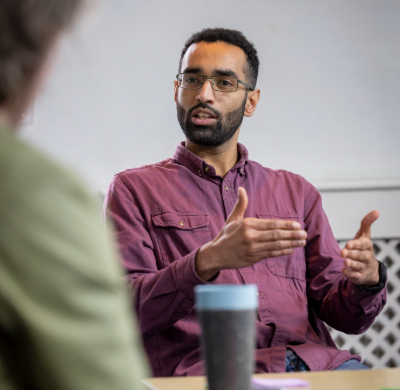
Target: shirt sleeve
(162, 295)
(64, 310)
(333, 297)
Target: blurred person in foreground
(65, 321)
(211, 215)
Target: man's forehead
(207, 57)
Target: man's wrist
(381, 284)
(375, 280)
(205, 265)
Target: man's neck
(222, 158)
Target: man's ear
(176, 89)
(252, 100)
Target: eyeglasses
(218, 83)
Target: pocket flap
(182, 221)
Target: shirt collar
(197, 165)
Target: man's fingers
(274, 248)
(273, 224)
(367, 221)
(240, 207)
(355, 255)
(278, 235)
(361, 244)
(277, 245)
(275, 253)
(354, 265)
(354, 276)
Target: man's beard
(214, 135)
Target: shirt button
(241, 170)
(199, 171)
(181, 223)
(258, 294)
(226, 188)
(206, 169)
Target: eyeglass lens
(219, 83)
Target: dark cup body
(228, 341)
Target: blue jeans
(294, 363)
(352, 364)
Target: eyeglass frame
(212, 83)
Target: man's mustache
(205, 107)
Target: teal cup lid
(226, 297)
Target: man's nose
(206, 92)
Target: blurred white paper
(280, 383)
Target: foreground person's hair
(27, 30)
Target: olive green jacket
(65, 320)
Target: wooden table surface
(324, 380)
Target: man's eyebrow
(192, 70)
(216, 72)
(225, 72)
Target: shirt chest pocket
(287, 266)
(178, 234)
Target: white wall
(330, 101)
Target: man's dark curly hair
(232, 37)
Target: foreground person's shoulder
(25, 167)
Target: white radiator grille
(379, 346)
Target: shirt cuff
(379, 287)
(186, 275)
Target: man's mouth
(203, 118)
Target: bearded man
(211, 215)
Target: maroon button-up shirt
(163, 213)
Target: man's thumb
(367, 221)
(240, 207)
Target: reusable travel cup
(227, 317)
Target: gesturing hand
(245, 241)
(361, 266)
